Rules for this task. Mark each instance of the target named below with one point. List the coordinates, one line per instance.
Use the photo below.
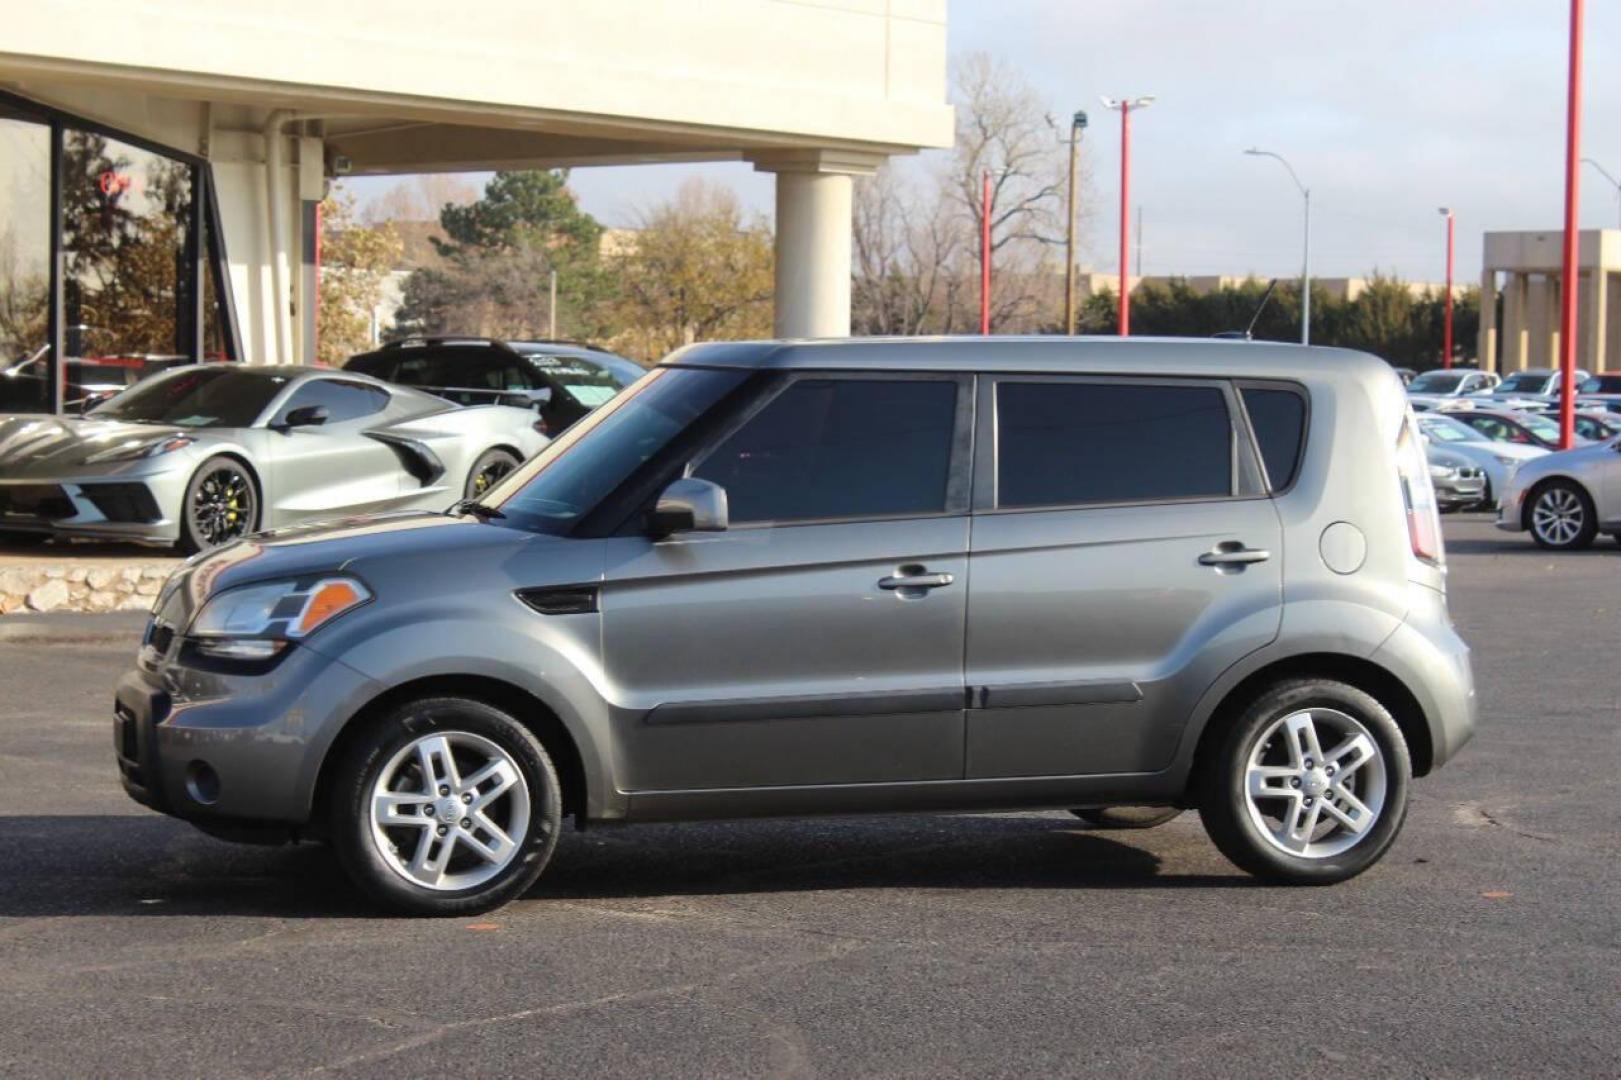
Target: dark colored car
(88, 381)
(563, 381)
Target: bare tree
(420, 198)
(908, 265)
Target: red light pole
(1124, 106)
(1446, 332)
(1567, 299)
(985, 256)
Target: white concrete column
(814, 195)
(1595, 317)
(1486, 345)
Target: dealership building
(160, 164)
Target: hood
(321, 547)
(1565, 461)
(1448, 458)
(45, 447)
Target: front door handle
(1231, 553)
(912, 582)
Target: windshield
(1436, 382)
(591, 460)
(587, 381)
(1443, 429)
(217, 396)
(1541, 427)
(1525, 382)
(1601, 384)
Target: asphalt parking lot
(1487, 943)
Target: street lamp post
(1305, 260)
(1608, 176)
(1567, 294)
(1446, 331)
(1076, 126)
(1124, 107)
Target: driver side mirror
(688, 505)
(305, 416)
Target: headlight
(1442, 471)
(256, 622)
(135, 449)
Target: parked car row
(199, 455)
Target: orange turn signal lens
(328, 600)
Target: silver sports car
(203, 454)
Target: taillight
(1423, 519)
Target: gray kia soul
(1122, 578)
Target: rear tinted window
(840, 448)
(1278, 418)
(1066, 443)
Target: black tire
(222, 504)
(349, 823)
(1127, 817)
(1575, 506)
(491, 467)
(1224, 804)
(22, 539)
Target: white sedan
(1498, 460)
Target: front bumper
(1456, 491)
(224, 747)
(110, 508)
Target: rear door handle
(1232, 553)
(914, 581)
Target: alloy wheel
(1309, 801)
(490, 475)
(1558, 516)
(449, 811)
(222, 507)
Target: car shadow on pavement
(1519, 544)
(137, 866)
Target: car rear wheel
(222, 504)
(1562, 517)
(446, 806)
(1310, 786)
(1127, 817)
(491, 467)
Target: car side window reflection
(342, 399)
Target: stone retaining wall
(80, 587)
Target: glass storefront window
(139, 288)
(125, 217)
(25, 263)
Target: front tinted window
(1065, 443)
(1601, 384)
(196, 397)
(840, 448)
(343, 400)
(1278, 418)
(576, 472)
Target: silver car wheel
(1558, 516)
(1310, 802)
(449, 811)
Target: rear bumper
(226, 748)
(1433, 662)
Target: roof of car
(1042, 354)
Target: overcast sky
(1387, 109)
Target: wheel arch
(517, 702)
(1364, 674)
(241, 458)
(1536, 489)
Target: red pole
(1125, 220)
(1446, 336)
(1567, 299)
(985, 257)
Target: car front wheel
(446, 806)
(490, 469)
(222, 504)
(1310, 786)
(1562, 517)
